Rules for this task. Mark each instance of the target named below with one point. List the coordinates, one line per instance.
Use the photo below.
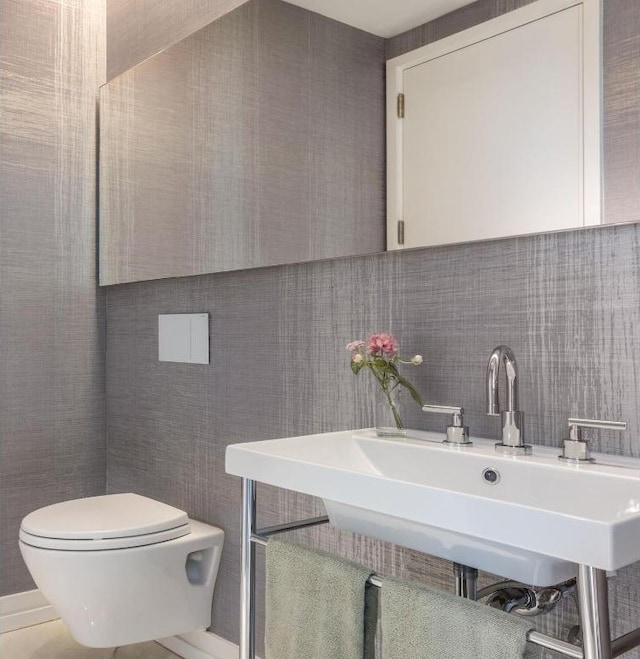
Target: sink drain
(491, 476)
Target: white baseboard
(23, 610)
(201, 645)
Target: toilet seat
(113, 521)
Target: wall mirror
(293, 131)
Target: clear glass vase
(389, 412)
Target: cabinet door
(492, 136)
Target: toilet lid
(105, 517)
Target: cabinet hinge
(400, 106)
(400, 232)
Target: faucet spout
(502, 355)
(512, 419)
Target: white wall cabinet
(500, 134)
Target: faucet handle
(457, 432)
(456, 412)
(576, 424)
(574, 447)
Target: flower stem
(394, 409)
(385, 379)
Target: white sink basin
(534, 524)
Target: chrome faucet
(512, 419)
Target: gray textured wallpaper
(568, 304)
(621, 142)
(140, 29)
(256, 141)
(52, 429)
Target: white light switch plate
(183, 337)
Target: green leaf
(394, 370)
(415, 394)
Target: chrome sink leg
(593, 600)
(247, 576)
(466, 581)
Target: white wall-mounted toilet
(122, 568)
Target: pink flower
(382, 343)
(354, 345)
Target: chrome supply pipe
(523, 600)
(466, 581)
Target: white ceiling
(386, 18)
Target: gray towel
(421, 623)
(318, 606)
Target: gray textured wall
(140, 29)
(569, 305)
(621, 142)
(52, 429)
(258, 140)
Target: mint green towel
(421, 623)
(318, 606)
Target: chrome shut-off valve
(575, 448)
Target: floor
(51, 640)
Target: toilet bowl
(122, 568)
